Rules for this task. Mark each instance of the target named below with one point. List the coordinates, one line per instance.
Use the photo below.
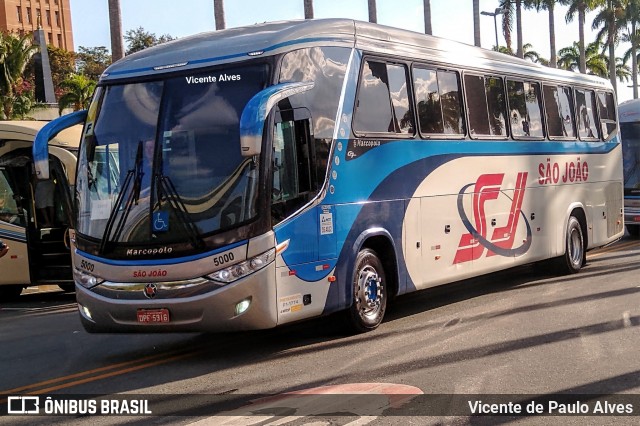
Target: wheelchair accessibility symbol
(161, 221)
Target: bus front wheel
(369, 301)
(10, 292)
(574, 253)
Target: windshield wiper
(133, 175)
(166, 187)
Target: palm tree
(622, 70)
(218, 14)
(549, 6)
(373, 14)
(608, 19)
(427, 17)
(115, 28)
(509, 7)
(632, 18)
(579, 7)
(15, 53)
(595, 61)
(78, 91)
(308, 9)
(476, 23)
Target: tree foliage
(78, 90)
(15, 53)
(92, 61)
(140, 39)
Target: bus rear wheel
(369, 293)
(574, 254)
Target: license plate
(153, 316)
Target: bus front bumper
(193, 306)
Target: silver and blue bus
(629, 113)
(284, 171)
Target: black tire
(369, 301)
(633, 230)
(10, 292)
(574, 254)
(67, 288)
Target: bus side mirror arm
(258, 108)
(48, 132)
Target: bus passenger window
(383, 103)
(607, 110)
(585, 105)
(487, 105)
(524, 109)
(559, 112)
(438, 102)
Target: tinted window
(477, 105)
(383, 102)
(559, 111)
(607, 110)
(438, 98)
(487, 105)
(326, 67)
(630, 135)
(586, 108)
(524, 109)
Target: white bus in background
(38, 236)
(629, 113)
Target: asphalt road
(514, 336)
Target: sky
(451, 19)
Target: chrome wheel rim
(368, 295)
(575, 246)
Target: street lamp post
(497, 12)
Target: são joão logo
(473, 245)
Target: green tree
(549, 6)
(140, 39)
(595, 61)
(509, 8)
(62, 64)
(609, 18)
(78, 90)
(15, 53)
(92, 61)
(632, 19)
(580, 8)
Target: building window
(29, 20)
(50, 38)
(19, 10)
(59, 40)
(57, 15)
(48, 15)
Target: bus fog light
(85, 311)
(242, 269)
(242, 306)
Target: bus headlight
(242, 269)
(84, 279)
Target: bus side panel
(14, 266)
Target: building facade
(53, 16)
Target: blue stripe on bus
(13, 235)
(235, 55)
(148, 262)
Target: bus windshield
(630, 135)
(161, 159)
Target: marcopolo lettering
(155, 250)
